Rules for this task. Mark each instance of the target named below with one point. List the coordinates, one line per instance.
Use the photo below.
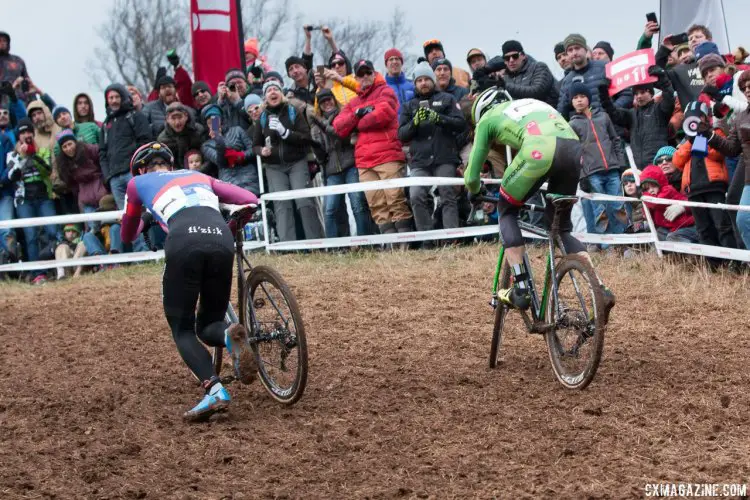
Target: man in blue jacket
(590, 73)
(395, 77)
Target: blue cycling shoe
(209, 405)
(243, 357)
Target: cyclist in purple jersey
(199, 254)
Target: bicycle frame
(240, 258)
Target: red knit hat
(393, 53)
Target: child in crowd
(673, 222)
(602, 159)
(69, 248)
(194, 159)
(636, 220)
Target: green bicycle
(570, 314)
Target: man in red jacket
(373, 115)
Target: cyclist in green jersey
(548, 150)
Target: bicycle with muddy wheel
(570, 313)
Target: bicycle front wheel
(277, 333)
(501, 311)
(576, 342)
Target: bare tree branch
(266, 20)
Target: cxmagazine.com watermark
(699, 490)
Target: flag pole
(241, 33)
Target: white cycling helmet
(486, 100)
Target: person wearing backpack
(123, 131)
(282, 139)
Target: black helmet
(143, 156)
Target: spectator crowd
(337, 120)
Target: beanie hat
(441, 62)
(710, 61)
(579, 88)
(432, 44)
(71, 227)
(665, 151)
(269, 84)
(107, 204)
(210, 110)
(393, 53)
(24, 125)
(234, 73)
(324, 94)
(705, 48)
(512, 46)
(253, 100)
(424, 69)
(58, 110)
(177, 106)
(199, 85)
(251, 46)
(648, 87)
(294, 60)
(628, 175)
(164, 80)
(274, 74)
(606, 47)
(64, 136)
(559, 49)
(574, 39)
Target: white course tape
(705, 250)
(61, 219)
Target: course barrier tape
(414, 236)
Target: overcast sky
(57, 38)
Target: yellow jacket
(343, 91)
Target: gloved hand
(657, 71)
(173, 58)
(361, 112)
(673, 211)
(275, 124)
(432, 116)
(474, 198)
(234, 157)
(420, 116)
(148, 219)
(713, 92)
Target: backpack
(130, 120)
(291, 112)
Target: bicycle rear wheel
(277, 333)
(575, 344)
(501, 311)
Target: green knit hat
(575, 39)
(72, 227)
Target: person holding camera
(282, 139)
(230, 95)
(29, 167)
(430, 123)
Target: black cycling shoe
(514, 298)
(609, 299)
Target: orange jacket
(701, 174)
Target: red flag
(215, 39)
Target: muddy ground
(400, 401)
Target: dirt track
(400, 402)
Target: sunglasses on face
(663, 159)
(363, 74)
(337, 63)
(511, 57)
(200, 92)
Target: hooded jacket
(45, 135)
(83, 174)
(432, 145)
(191, 137)
(533, 80)
(654, 174)
(402, 86)
(123, 131)
(345, 90)
(599, 142)
(78, 118)
(702, 175)
(378, 141)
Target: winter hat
(574, 39)
(57, 110)
(648, 87)
(272, 83)
(512, 46)
(473, 53)
(5, 35)
(424, 69)
(210, 110)
(441, 62)
(606, 47)
(199, 85)
(251, 47)
(628, 176)
(164, 80)
(24, 125)
(234, 73)
(363, 63)
(710, 61)
(294, 60)
(394, 52)
(705, 48)
(324, 94)
(432, 44)
(64, 136)
(559, 49)
(253, 100)
(664, 151)
(177, 106)
(579, 88)
(72, 227)
(107, 204)
(274, 74)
